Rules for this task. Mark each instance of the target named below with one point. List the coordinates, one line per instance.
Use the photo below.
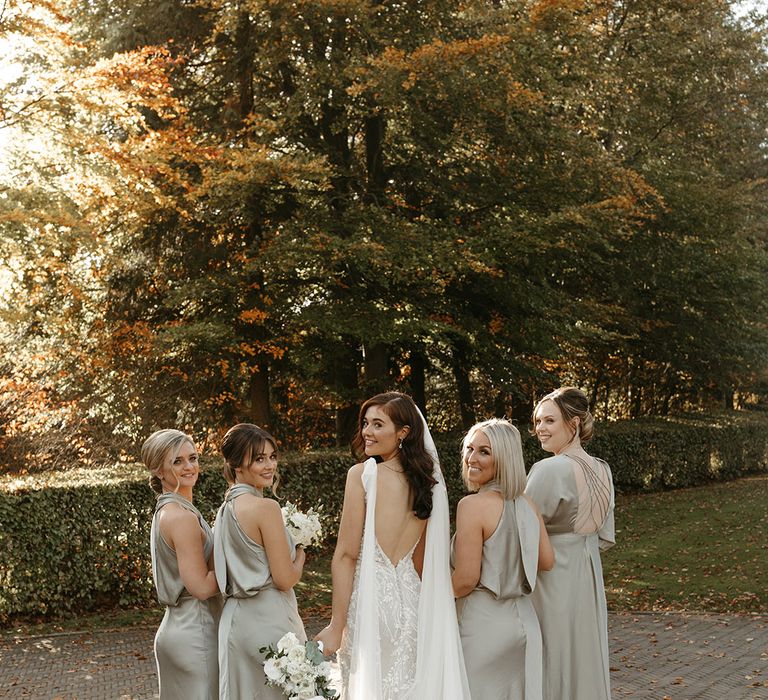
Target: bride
(394, 619)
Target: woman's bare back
(398, 530)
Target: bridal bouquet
(298, 669)
(305, 527)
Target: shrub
(78, 541)
(652, 453)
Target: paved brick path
(688, 657)
(653, 657)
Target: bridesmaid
(575, 494)
(499, 545)
(181, 546)
(257, 565)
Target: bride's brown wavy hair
(416, 461)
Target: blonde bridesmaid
(257, 565)
(499, 546)
(181, 547)
(575, 494)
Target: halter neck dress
(499, 629)
(256, 613)
(186, 641)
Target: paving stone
(653, 657)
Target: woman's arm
(285, 571)
(262, 520)
(468, 546)
(345, 558)
(546, 553)
(182, 532)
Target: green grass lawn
(314, 590)
(703, 548)
(698, 549)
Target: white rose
(287, 642)
(297, 654)
(305, 528)
(272, 670)
(295, 671)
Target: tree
(268, 211)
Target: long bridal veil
(440, 673)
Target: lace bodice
(398, 588)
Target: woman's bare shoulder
(479, 502)
(176, 513)
(356, 469)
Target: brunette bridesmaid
(257, 565)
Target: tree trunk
(595, 389)
(418, 381)
(376, 368)
(244, 64)
(344, 366)
(260, 409)
(374, 158)
(461, 367)
(346, 424)
(520, 408)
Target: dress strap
(171, 497)
(219, 531)
(528, 532)
(595, 494)
(239, 489)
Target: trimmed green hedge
(79, 541)
(657, 454)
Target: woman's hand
(331, 639)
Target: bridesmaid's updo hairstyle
(241, 445)
(416, 461)
(573, 403)
(159, 450)
(507, 452)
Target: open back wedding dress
(402, 639)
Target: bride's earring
(400, 446)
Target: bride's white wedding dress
(398, 586)
(402, 637)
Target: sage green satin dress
(186, 641)
(570, 599)
(498, 625)
(256, 614)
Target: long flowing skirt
(248, 625)
(186, 650)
